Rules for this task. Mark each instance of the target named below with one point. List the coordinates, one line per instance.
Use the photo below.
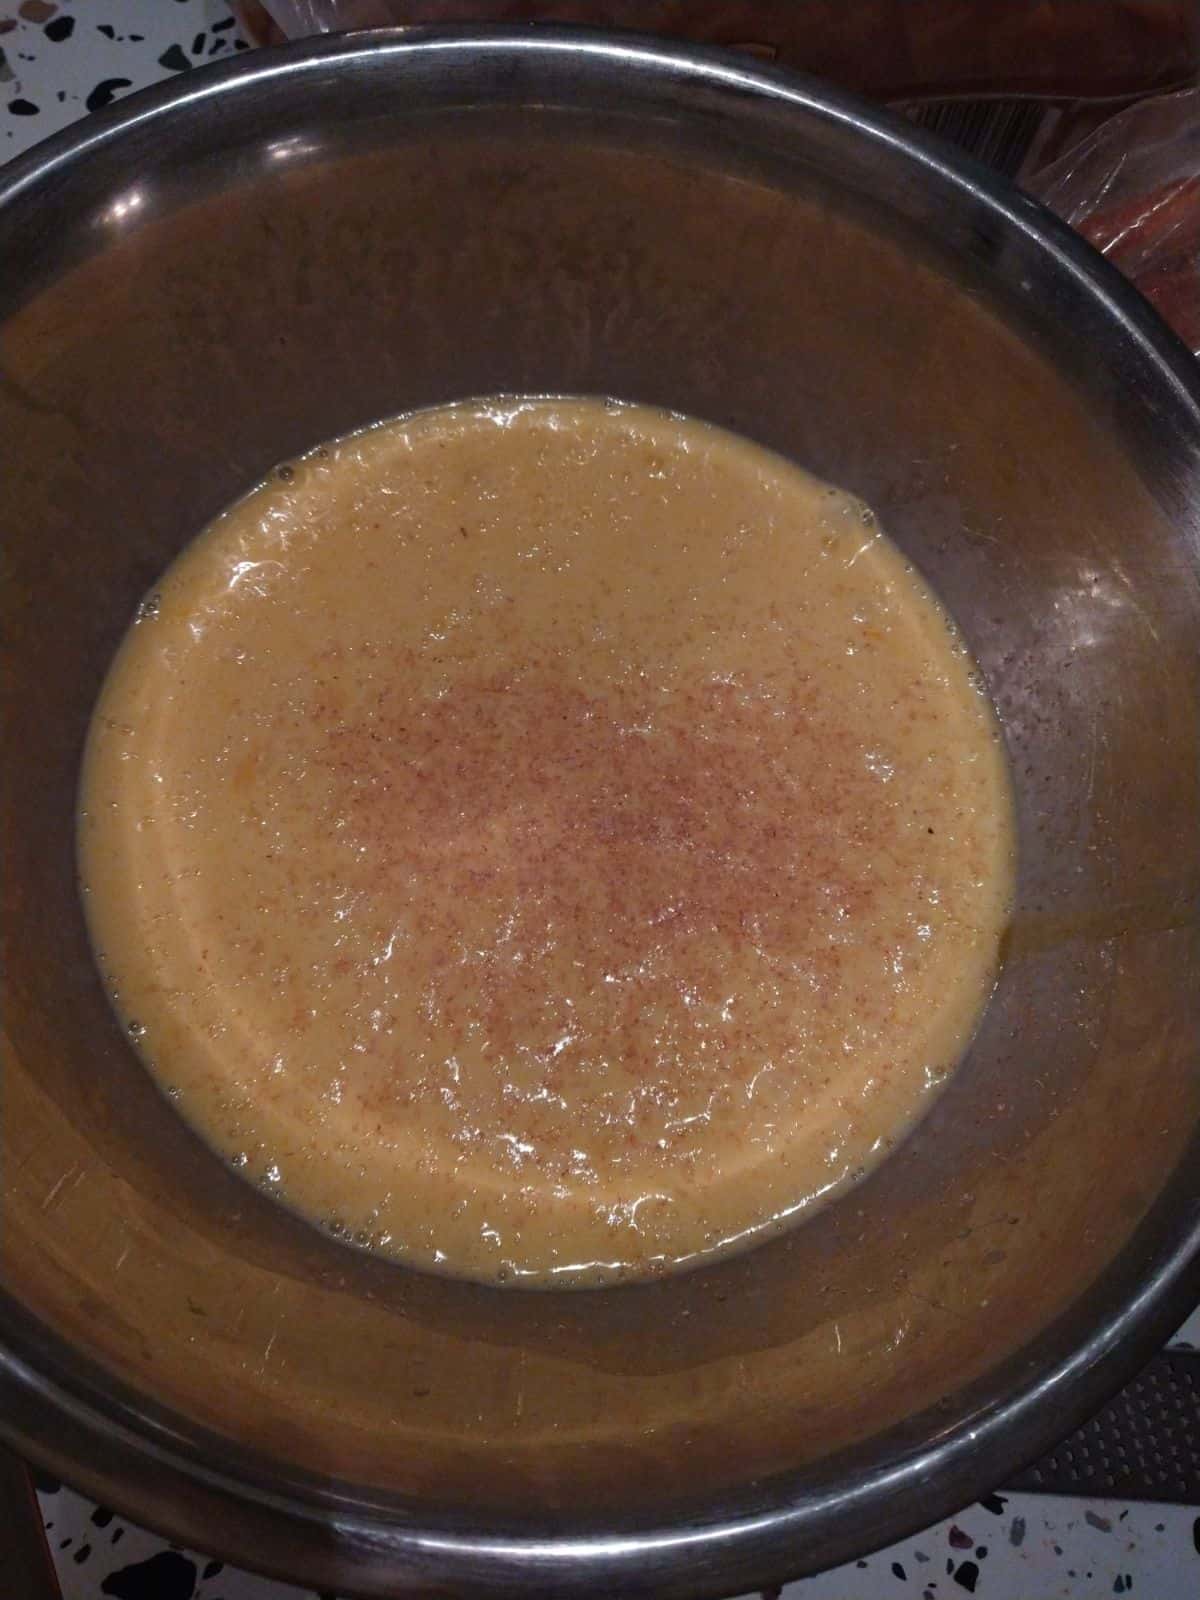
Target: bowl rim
(124, 1452)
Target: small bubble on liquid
(240, 1159)
(286, 473)
(866, 516)
(272, 1174)
(363, 1238)
(135, 1029)
(148, 608)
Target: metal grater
(1144, 1445)
(1005, 135)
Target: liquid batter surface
(546, 841)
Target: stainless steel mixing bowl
(225, 271)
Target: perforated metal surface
(1144, 1445)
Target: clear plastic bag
(1132, 187)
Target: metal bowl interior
(226, 271)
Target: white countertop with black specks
(58, 60)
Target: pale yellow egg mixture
(546, 840)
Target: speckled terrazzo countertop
(57, 62)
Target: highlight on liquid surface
(546, 840)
